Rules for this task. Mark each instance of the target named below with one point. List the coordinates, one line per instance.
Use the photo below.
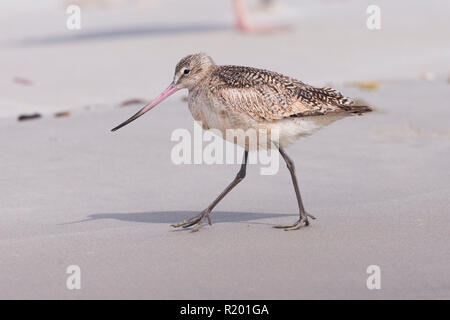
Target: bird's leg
(303, 215)
(198, 220)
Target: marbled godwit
(233, 97)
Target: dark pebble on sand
(24, 117)
(132, 101)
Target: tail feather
(356, 109)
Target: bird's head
(189, 72)
(192, 69)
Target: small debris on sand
(24, 117)
(62, 114)
(367, 85)
(23, 81)
(132, 101)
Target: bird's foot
(303, 221)
(197, 221)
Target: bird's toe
(300, 223)
(197, 220)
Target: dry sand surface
(72, 193)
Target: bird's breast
(209, 110)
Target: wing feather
(269, 95)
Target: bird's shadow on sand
(171, 217)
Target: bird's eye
(186, 71)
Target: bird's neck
(206, 74)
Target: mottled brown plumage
(269, 95)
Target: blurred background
(127, 49)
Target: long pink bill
(166, 93)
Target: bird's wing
(269, 95)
